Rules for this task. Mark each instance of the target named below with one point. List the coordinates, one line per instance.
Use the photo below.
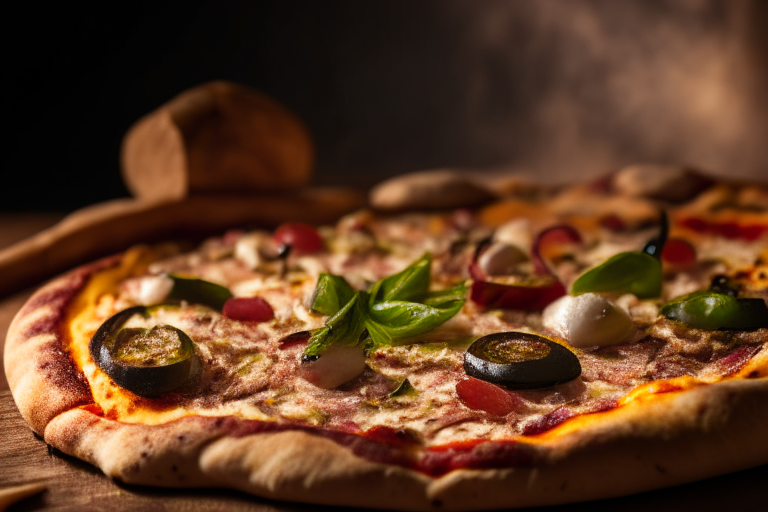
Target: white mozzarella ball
(334, 367)
(154, 289)
(516, 232)
(500, 259)
(588, 320)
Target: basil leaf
(627, 272)
(396, 320)
(411, 284)
(398, 307)
(444, 297)
(331, 294)
(379, 336)
(345, 326)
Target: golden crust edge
(682, 437)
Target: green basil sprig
(626, 272)
(638, 273)
(710, 311)
(397, 307)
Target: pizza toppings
(638, 273)
(554, 235)
(500, 259)
(396, 308)
(480, 395)
(154, 289)
(337, 365)
(198, 291)
(147, 362)
(524, 297)
(520, 360)
(302, 238)
(588, 320)
(379, 348)
(678, 252)
(710, 310)
(248, 309)
(533, 294)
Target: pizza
(534, 346)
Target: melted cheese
(245, 373)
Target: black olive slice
(148, 362)
(199, 291)
(519, 360)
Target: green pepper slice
(711, 311)
(199, 291)
(147, 362)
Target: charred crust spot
(144, 455)
(753, 374)
(174, 468)
(60, 370)
(67, 287)
(45, 325)
(57, 297)
(181, 437)
(437, 503)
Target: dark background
(563, 89)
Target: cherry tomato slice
(678, 252)
(480, 395)
(248, 309)
(302, 238)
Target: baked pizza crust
(679, 438)
(656, 441)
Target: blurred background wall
(563, 89)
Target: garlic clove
(337, 365)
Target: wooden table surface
(73, 485)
